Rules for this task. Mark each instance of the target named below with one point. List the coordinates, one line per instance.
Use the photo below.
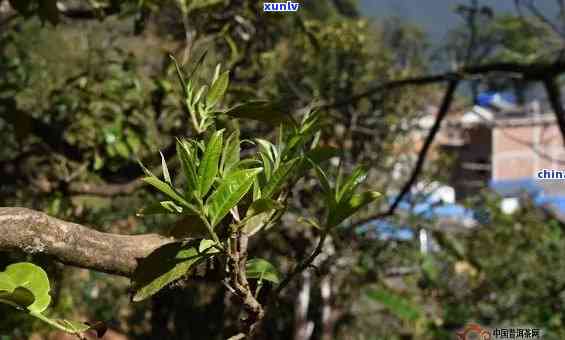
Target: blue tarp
(513, 188)
(488, 98)
(437, 210)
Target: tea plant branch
(304, 264)
(34, 232)
(238, 282)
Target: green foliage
(341, 199)
(25, 286)
(396, 304)
(164, 266)
(217, 183)
(261, 269)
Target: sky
(436, 16)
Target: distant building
(502, 146)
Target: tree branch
(304, 264)
(104, 189)
(528, 71)
(442, 113)
(34, 232)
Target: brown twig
(304, 264)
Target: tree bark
(32, 232)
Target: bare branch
(33, 232)
(304, 264)
(442, 113)
(528, 71)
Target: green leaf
(218, 89)
(262, 270)
(18, 297)
(188, 164)
(279, 177)
(261, 110)
(353, 181)
(207, 246)
(347, 208)
(315, 157)
(164, 207)
(398, 305)
(31, 279)
(180, 75)
(166, 174)
(324, 181)
(168, 190)
(163, 266)
(252, 224)
(146, 171)
(262, 205)
(243, 165)
(122, 149)
(230, 154)
(208, 168)
(311, 222)
(229, 193)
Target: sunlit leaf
(345, 209)
(261, 269)
(208, 168)
(218, 89)
(262, 205)
(255, 223)
(230, 154)
(166, 174)
(188, 164)
(351, 183)
(229, 193)
(207, 246)
(279, 177)
(32, 279)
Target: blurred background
(465, 233)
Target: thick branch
(33, 232)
